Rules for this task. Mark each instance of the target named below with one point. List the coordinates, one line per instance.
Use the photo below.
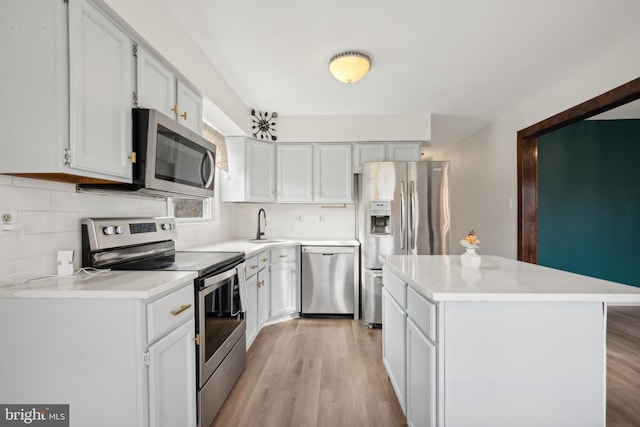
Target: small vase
(470, 258)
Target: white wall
(408, 127)
(50, 213)
(297, 221)
(483, 166)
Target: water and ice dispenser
(380, 218)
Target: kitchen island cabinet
(507, 344)
(117, 348)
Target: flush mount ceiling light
(349, 67)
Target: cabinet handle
(197, 339)
(261, 283)
(184, 115)
(175, 109)
(264, 259)
(253, 267)
(132, 156)
(181, 309)
(284, 256)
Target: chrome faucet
(259, 233)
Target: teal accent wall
(589, 199)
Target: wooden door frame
(527, 158)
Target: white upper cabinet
(189, 109)
(405, 151)
(156, 84)
(367, 153)
(67, 83)
(384, 151)
(159, 88)
(100, 65)
(294, 172)
(332, 174)
(251, 176)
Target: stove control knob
(119, 229)
(108, 230)
(167, 226)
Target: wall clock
(264, 125)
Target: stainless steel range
(148, 244)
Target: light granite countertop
(107, 285)
(443, 278)
(252, 248)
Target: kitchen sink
(263, 241)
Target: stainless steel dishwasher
(327, 280)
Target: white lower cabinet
(251, 312)
(394, 321)
(115, 361)
(264, 297)
(172, 396)
(421, 378)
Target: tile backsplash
(50, 214)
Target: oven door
(220, 320)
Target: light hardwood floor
(328, 372)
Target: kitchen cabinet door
(405, 151)
(161, 89)
(283, 289)
(368, 153)
(156, 84)
(189, 104)
(264, 297)
(260, 171)
(294, 172)
(251, 309)
(421, 378)
(332, 176)
(100, 98)
(394, 323)
(172, 379)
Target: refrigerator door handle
(403, 213)
(412, 215)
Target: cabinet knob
(132, 157)
(175, 109)
(184, 115)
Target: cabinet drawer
(284, 254)
(263, 260)
(423, 313)
(251, 266)
(170, 311)
(396, 287)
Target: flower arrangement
(471, 241)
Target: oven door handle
(215, 280)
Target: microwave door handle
(207, 180)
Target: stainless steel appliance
(148, 244)
(403, 208)
(169, 159)
(327, 280)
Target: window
(190, 208)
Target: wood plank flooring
(313, 372)
(623, 366)
(328, 372)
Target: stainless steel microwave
(171, 158)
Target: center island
(508, 344)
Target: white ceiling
(465, 62)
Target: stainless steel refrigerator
(403, 209)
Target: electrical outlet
(9, 216)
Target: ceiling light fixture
(349, 67)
